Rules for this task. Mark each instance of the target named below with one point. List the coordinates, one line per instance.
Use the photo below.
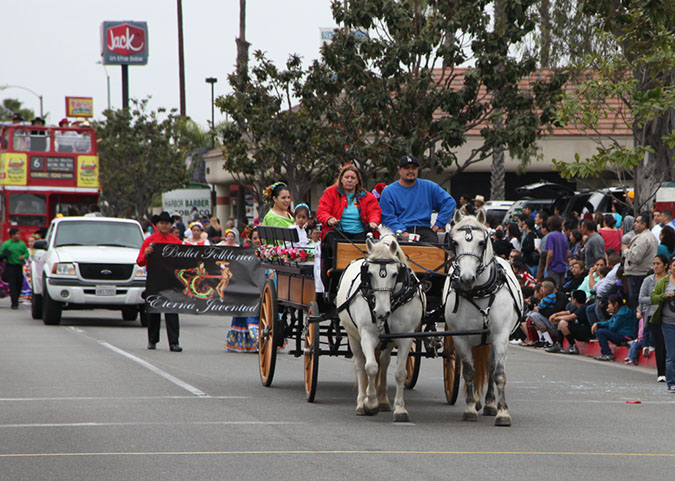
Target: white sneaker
(661, 379)
(514, 341)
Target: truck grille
(106, 272)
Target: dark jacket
(530, 255)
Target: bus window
(20, 140)
(38, 141)
(24, 203)
(71, 141)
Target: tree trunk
(657, 167)
(545, 31)
(242, 68)
(498, 175)
(498, 172)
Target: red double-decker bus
(45, 171)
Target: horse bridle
(468, 236)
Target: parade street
(87, 401)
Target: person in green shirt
(16, 253)
(280, 197)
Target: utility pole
(181, 59)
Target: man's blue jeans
(605, 336)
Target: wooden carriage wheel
(267, 350)
(312, 351)
(413, 364)
(451, 370)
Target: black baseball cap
(408, 159)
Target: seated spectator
(573, 324)
(619, 329)
(575, 244)
(514, 235)
(526, 325)
(501, 246)
(610, 234)
(592, 277)
(576, 277)
(606, 286)
(552, 302)
(521, 271)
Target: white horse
(481, 292)
(371, 291)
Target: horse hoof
(401, 417)
(503, 421)
(371, 412)
(385, 407)
(489, 411)
(360, 411)
(470, 416)
(479, 406)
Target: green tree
(641, 77)
(13, 106)
(269, 138)
(141, 154)
(399, 88)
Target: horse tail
(480, 367)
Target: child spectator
(573, 324)
(301, 216)
(638, 343)
(619, 329)
(552, 302)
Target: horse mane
(380, 250)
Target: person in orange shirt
(163, 235)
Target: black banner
(217, 280)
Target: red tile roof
(612, 123)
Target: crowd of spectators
(608, 279)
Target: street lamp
(212, 81)
(107, 79)
(4, 87)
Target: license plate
(105, 290)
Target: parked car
(498, 209)
(88, 263)
(517, 208)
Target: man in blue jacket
(407, 204)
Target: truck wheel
(51, 310)
(129, 313)
(36, 306)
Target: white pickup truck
(88, 263)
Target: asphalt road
(87, 401)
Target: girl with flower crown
(280, 197)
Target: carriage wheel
(413, 364)
(312, 348)
(451, 370)
(267, 351)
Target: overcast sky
(52, 47)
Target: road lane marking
(200, 423)
(369, 453)
(156, 370)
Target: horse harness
(410, 287)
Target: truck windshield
(101, 233)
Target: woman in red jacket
(346, 207)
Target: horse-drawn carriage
(315, 324)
